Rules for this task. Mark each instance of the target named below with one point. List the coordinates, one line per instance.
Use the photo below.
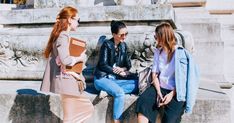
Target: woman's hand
(124, 73)
(159, 98)
(83, 57)
(118, 70)
(167, 98)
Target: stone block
(188, 3)
(7, 6)
(22, 48)
(24, 103)
(89, 14)
(87, 3)
(220, 7)
(209, 46)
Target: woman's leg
(146, 105)
(129, 86)
(173, 111)
(141, 118)
(116, 91)
(76, 109)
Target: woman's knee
(98, 83)
(118, 92)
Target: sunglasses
(155, 37)
(78, 20)
(122, 35)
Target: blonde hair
(166, 39)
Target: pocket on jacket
(184, 61)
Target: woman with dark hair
(113, 68)
(174, 81)
(76, 106)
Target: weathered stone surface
(188, 3)
(89, 14)
(209, 47)
(227, 31)
(21, 48)
(24, 103)
(21, 51)
(220, 7)
(7, 6)
(62, 3)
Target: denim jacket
(186, 78)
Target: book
(76, 47)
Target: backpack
(144, 79)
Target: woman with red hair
(70, 85)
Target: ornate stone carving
(11, 57)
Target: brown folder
(76, 47)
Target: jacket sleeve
(63, 50)
(103, 60)
(192, 84)
(128, 64)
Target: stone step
(20, 101)
(220, 7)
(193, 15)
(89, 14)
(188, 3)
(7, 6)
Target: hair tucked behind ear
(165, 35)
(60, 25)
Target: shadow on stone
(129, 115)
(97, 100)
(205, 89)
(32, 107)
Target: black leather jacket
(107, 58)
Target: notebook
(76, 47)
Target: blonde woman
(76, 106)
(174, 81)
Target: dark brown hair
(166, 39)
(60, 25)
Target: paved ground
(230, 93)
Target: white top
(165, 70)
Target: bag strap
(182, 38)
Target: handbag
(69, 85)
(145, 79)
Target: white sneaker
(103, 94)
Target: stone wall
(26, 32)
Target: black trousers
(147, 105)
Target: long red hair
(166, 39)
(60, 25)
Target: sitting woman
(174, 81)
(112, 70)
